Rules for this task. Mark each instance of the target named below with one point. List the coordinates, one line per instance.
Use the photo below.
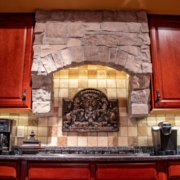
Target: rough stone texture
(46, 50)
(57, 60)
(55, 41)
(139, 110)
(75, 30)
(66, 57)
(49, 64)
(42, 107)
(140, 96)
(140, 81)
(119, 39)
(73, 42)
(56, 30)
(39, 27)
(41, 95)
(42, 82)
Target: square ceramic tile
(82, 141)
(82, 83)
(133, 141)
(52, 141)
(132, 131)
(92, 66)
(122, 131)
(52, 121)
(63, 83)
(56, 75)
(42, 131)
(56, 83)
(121, 75)
(32, 122)
(73, 83)
(43, 121)
(123, 121)
(101, 74)
(23, 121)
(142, 122)
(83, 67)
(132, 122)
(121, 93)
(83, 74)
(73, 73)
(102, 141)
(63, 92)
(142, 141)
(43, 140)
(52, 131)
(56, 102)
(122, 102)
(121, 83)
(72, 141)
(111, 83)
(122, 141)
(111, 73)
(149, 140)
(112, 141)
(92, 83)
(62, 141)
(64, 73)
(92, 141)
(72, 92)
(111, 93)
(102, 83)
(56, 92)
(142, 131)
(123, 111)
(92, 74)
(114, 134)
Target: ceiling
(150, 6)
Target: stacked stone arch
(118, 39)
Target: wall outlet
(20, 131)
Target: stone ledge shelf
(67, 38)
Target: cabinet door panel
(174, 170)
(138, 171)
(15, 60)
(59, 172)
(165, 47)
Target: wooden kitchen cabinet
(8, 171)
(58, 171)
(165, 51)
(16, 39)
(174, 170)
(127, 171)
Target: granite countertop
(82, 154)
(85, 157)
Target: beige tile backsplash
(114, 84)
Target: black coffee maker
(5, 135)
(164, 137)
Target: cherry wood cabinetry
(58, 171)
(127, 171)
(165, 51)
(16, 39)
(8, 171)
(174, 170)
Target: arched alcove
(117, 39)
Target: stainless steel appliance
(164, 137)
(5, 135)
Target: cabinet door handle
(158, 100)
(24, 96)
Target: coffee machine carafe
(164, 137)
(5, 135)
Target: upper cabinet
(16, 39)
(165, 51)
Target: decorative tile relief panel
(67, 38)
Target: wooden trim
(165, 111)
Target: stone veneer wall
(65, 38)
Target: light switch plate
(20, 131)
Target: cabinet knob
(158, 100)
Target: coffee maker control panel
(5, 125)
